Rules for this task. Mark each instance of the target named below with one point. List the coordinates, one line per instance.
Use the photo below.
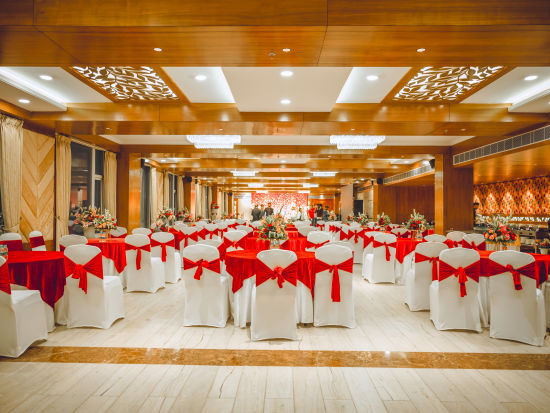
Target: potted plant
(544, 246)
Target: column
(129, 189)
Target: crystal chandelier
(214, 141)
(356, 141)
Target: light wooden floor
(384, 323)
(97, 388)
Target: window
(86, 176)
(145, 196)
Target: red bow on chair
(13, 244)
(367, 240)
(529, 270)
(344, 266)
(211, 233)
(356, 234)
(451, 244)
(377, 244)
(5, 279)
(310, 244)
(155, 243)
(235, 244)
(129, 247)
(471, 271)
(264, 273)
(234, 226)
(343, 235)
(434, 260)
(213, 265)
(79, 271)
(202, 233)
(473, 246)
(186, 237)
(36, 241)
(331, 228)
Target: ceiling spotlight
(372, 78)
(157, 49)
(530, 77)
(200, 78)
(25, 101)
(286, 50)
(287, 73)
(285, 101)
(421, 50)
(324, 173)
(46, 77)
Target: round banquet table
(542, 264)
(404, 247)
(241, 265)
(113, 249)
(39, 270)
(256, 244)
(295, 244)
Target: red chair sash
(356, 234)
(406, 234)
(367, 240)
(344, 266)
(186, 237)
(235, 244)
(80, 272)
(471, 271)
(234, 226)
(529, 270)
(37, 241)
(61, 247)
(473, 246)
(13, 244)
(377, 244)
(163, 245)
(343, 235)
(310, 244)
(264, 273)
(138, 253)
(451, 243)
(434, 260)
(213, 265)
(119, 236)
(210, 234)
(5, 279)
(202, 233)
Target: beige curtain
(11, 152)
(166, 189)
(181, 200)
(204, 206)
(198, 203)
(109, 180)
(222, 205)
(153, 198)
(62, 186)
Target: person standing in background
(268, 211)
(326, 214)
(311, 214)
(256, 213)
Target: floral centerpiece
(272, 228)
(383, 220)
(416, 222)
(105, 222)
(544, 246)
(165, 219)
(499, 231)
(229, 216)
(351, 218)
(184, 215)
(86, 216)
(363, 219)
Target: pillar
(128, 190)
(189, 194)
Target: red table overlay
(404, 247)
(295, 244)
(256, 244)
(542, 263)
(112, 248)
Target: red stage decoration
(286, 203)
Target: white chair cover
(173, 263)
(368, 249)
(119, 231)
(435, 238)
(448, 310)
(22, 317)
(318, 237)
(38, 235)
(419, 276)
(206, 298)
(102, 304)
(516, 314)
(399, 231)
(244, 228)
(150, 276)
(305, 230)
(328, 312)
(274, 308)
(68, 240)
(478, 239)
(356, 242)
(240, 300)
(141, 231)
(377, 268)
(455, 236)
(240, 221)
(211, 227)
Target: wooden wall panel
(407, 198)
(38, 192)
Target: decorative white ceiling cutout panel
(201, 84)
(362, 87)
(128, 83)
(439, 84)
(308, 89)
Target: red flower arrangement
(499, 231)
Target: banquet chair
(321, 225)
(218, 244)
(190, 237)
(368, 238)
(274, 296)
(454, 305)
(119, 232)
(343, 233)
(240, 300)
(379, 266)
(435, 238)
(245, 228)
(93, 300)
(454, 238)
(420, 276)
(517, 305)
(393, 226)
(305, 230)
(36, 241)
(143, 272)
(142, 231)
(68, 240)
(206, 288)
(240, 221)
(179, 225)
(12, 240)
(401, 232)
(372, 225)
(222, 228)
(475, 241)
(22, 316)
(163, 246)
(316, 239)
(333, 301)
(355, 239)
(354, 224)
(211, 231)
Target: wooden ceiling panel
(18, 12)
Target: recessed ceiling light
(372, 78)
(283, 161)
(46, 77)
(157, 49)
(200, 78)
(25, 101)
(285, 101)
(421, 50)
(287, 73)
(530, 77)
(286, 50)
(463, 129)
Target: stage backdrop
(284, 203)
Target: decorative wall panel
(127, 83)
(37, 205)
(284, 203)
(524, 197)
(437, 84)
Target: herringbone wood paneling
(37, 205)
